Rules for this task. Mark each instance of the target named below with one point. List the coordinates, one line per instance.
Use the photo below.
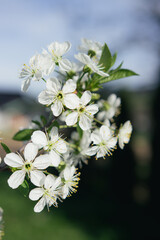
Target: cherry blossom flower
(51, 143)
(104, 142)
(58, 96)
(38, 68)
(124, 134)
(91, 47)
(47, 193)
(55, 52)
(30, 165)
(70, 179)
(84, 113)
(91, 64)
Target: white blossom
(58, 96)
(47, 193)
(124, 134)
(38, 67)
(55, 52)
(70, 178)
(111, 106)
(84, 113)
(104, 142)
(51, 143)
(88, 46)
(91, 64)
(30, 165)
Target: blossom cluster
(49, 160)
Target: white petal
(40, 205)
(91, 151)
(49, 181)
(65, 191)
(25, 84)
(16, 179)
(59, 49)
(37, 177)
(13, 160)
(67, 173)
(86, 98)
(85, 122)
(54, 158)
(72, 118)
(39, 138)
(112, 143)
(93, 109)
(101, 153)
(57, 108)
(105, 132)
(95, 137)
(53, 85)
(65, 65)
(71, 100)
(54, 134)
(111, 99)
(69, 86)
(30, 151)
(42, 162)
(60, 146)
(46, 97)
(36, 193)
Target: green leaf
(23, 135)
(24, 188)
(44, 120)
(116, 69)
(53, 124)
(80, 131)
(114, 57)
(6, 149)
(121, 73)
(37, 123)
(106, 58)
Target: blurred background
(118, 198)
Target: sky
(127, 26)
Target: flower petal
(39, 138)
(54, 158)
(72, 118)
(36, 193)
(92, 109)
(16, 179)
(49, 181)
(91, 151)
(40, 205)
(57, 108)
(69, 86)
(105, 132)
(37, 177)
(42, 162)
(25, 84)
(46, 97)
(65, 65)
(84, 122)
(53, 85)
(86, 98)
(30, 151)
(60, 146)
(13, 160)
(95, 137)
(71, 100)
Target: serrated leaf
(24, 188)
(114, 57)
(44, 120)
(23, 135)
(5, 147)
(121, 73)
(106, 58)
